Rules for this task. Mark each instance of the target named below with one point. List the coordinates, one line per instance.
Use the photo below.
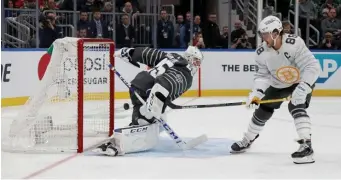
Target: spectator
(50, 5)
(198, 40)
(211, 32)
(108, 7)
(324, 16)
(28, 4)
(188, 17)
(128, 9)
(11, 13)
(338, 10)
(121, 3)
(325, 12)
(98, 27)
(165, 30)
(188, 27)
(83, 22)
(238, 31)
(82, 33)
(242, 43)
(331, 24)
(88, 6)
(287, 27)
(225, 37)
(180, 31)
(49, 32)
(329, 5)
(328, 42)
(68, 5)
(125, 36)
(307, 8)
(197, 25)
(10, 4)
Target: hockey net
(74, 106)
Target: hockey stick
(174, 106)
(182, 144)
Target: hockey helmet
(270, 24)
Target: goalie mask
(194, 58)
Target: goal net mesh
(65, 115)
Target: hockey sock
(258, 120)
(301, 120)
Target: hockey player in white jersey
(286, 67)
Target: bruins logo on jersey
(288, 74)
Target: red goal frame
(80, 87)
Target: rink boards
(223, 73)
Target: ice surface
(269, 156)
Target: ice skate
(106, 149)
(304, 154)
(242, 146)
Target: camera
(243, 40)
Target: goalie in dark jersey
(170, 76)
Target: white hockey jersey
(290, 64)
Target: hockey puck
(126, 106)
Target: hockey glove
(125, 54)
(300, 93)
(254, 98)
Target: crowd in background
(129, 29)
(325, 15)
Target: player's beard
(271, 44)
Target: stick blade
(195, 142)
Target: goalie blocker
(170, 76)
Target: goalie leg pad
(136, 138)
(142, 84)
(137, 118)
(155, 103)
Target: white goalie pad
(136, 138)
(154, 104)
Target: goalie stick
(174, 106)
(177, 139)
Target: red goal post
(80, 85)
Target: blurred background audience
(165, 23)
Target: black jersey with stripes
(177, 79)
(151, 57)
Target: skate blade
(304, 160)
(237, 152)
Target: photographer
(48, 31)
(328, 42)
(242, 43)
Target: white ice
(269, 156)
